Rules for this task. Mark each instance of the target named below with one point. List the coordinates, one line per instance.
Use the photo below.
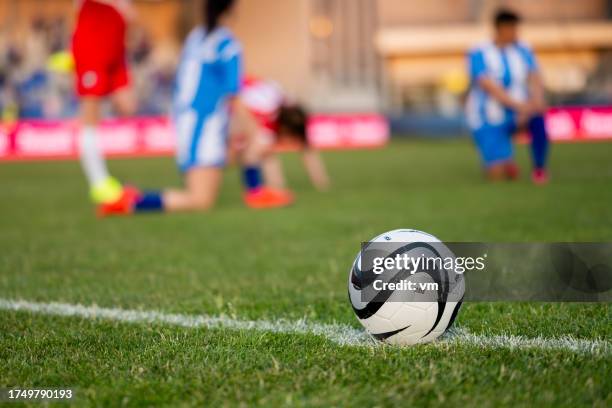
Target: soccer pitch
(243, 307)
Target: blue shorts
(201, 140)
(494, 143)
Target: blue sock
(251, 177)
(149, 201)
(539, 141)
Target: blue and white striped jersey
(510, 67)
(209, 72)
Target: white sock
(92, 160)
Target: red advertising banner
(577, 124)
(348, 131)
(39, 140)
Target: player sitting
(208, 83)
(506, 95)
(99, 50)
(281, 123)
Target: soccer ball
(409, 317)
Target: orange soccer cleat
(123, 206)
(266, 197)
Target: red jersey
(263, 99)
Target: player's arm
(125, 7)
(535, 83)
(316, 169)
(479, 74)
(536, 91)
(499, 94)
(273, 172)
(230, 53)
(242, 119)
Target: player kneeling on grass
(99, 51)
(208, 83)
(506, 95)
(280, 122)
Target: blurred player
(281, 121)
(208, 82)
(506, 95)
(99, 50)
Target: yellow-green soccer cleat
(107, 191)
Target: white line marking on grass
(582, 346)
(338, 333)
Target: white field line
(338, 333)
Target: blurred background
(403, 58)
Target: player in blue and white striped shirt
(506, 94)
(208, 76)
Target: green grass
(291, 263)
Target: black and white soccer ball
(409, 319)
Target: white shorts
(201, 139)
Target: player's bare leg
(252, 158)
(316, 169)
(202, 188)
(273, 172)
(98, 48)
(244, 124)
(124, 101)
(103, 188)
